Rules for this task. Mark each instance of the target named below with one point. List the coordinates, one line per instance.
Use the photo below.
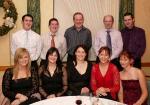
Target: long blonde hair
(19, 54)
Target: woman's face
(104, 57)
(24, 60)
(125, 61)
(52, 58)
(80, 54)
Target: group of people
(116, 51)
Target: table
(70, 100)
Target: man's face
(54, 25)
(78, 21)
(108, 22)
(128, 21)
(27, 23)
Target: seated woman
(52, 75)
(105, 78)
(79, 72)
(133, 89)
(20, 83)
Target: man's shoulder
(43, 35)
(33, 33)
(85, 28)
(73, 28)
(70, 28)
(139, 28)
(18, 33)
(115, 30)
(134, 28)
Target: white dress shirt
(29, 40)
(116, 41)
(60, 44)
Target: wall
(46, 14)
(5, 55)
(142, 15)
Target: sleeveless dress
(131, 91)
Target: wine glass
(78, 101)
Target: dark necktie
(52, 41)
(108, 40)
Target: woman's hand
(51, 96)
(85, 91)
(137, 103)
(21, 97)
(15, 102)
(102, 91)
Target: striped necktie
(52, 41)
(108, 40)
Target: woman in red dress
(133, 90)
(105, 79)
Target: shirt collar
(26, 30)
(82, 28)
(130, 29)
(51, 33)
(108, 29)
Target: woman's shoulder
(9, 70)
(138, 72)
(41, 69)
(113, 67)
(95, 67)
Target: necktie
(52, 41)
(108, 41)
(26, 40)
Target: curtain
(1, 3)
(33, 8)
(93, 11)
(125, 6)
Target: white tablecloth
(70, 100)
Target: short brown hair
(126, 54)
(77, 13)
(53, 19)
(27, 15)
(104, 48)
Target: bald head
(108, 21)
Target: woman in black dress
(52, 76)
(79, 72)
(20, 84)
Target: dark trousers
(34, 65)
(137, 63)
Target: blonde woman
(20, 83)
